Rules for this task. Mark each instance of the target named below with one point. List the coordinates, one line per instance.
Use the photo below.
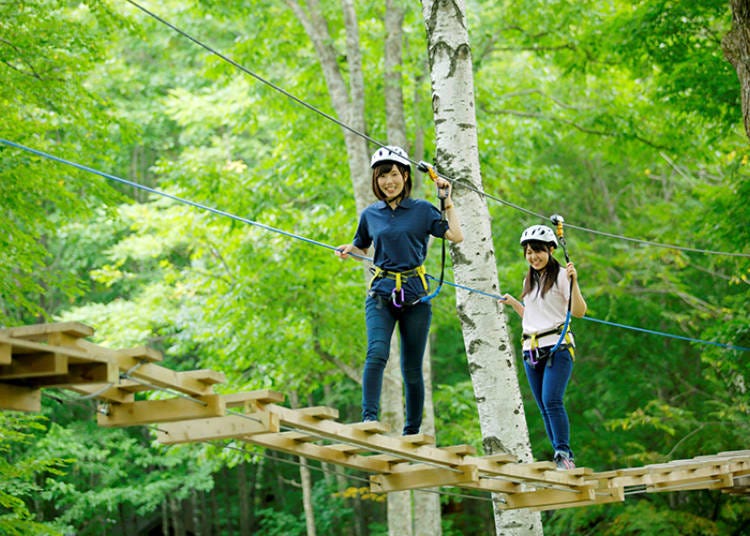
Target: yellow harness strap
(534, 345)
(400, 276)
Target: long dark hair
(544, 279)
(385, 167)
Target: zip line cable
(466, 185)
(321, 244)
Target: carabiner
(397, 297)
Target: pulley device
(558, 220)
(442, 194)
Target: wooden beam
(141, 353)
(79, 374)
(423, 477)
(549, 497)
(367, 435)
(146, 412)
(601, 497)
(228, 426)
(108, 393)
(6, 353)
(319, 452)
(162, 377)
(34, 365)
(18, 398)
(40, 331)
(494, 485)
(21, 347)
(263, 396)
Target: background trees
(623, 117)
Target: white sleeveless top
(545, 314)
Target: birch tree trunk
(305, 481)
(488, 348)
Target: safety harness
(534, 355)
(397, 294)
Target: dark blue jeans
(413, 325)
(548, 385)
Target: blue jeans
(414, 325)
(548, 385)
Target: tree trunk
(242, 498)
(736, 45)
(178, 525)
(305, 481)
(427, 509)
(165, 518)
(392, 414)
(488, 348)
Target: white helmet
(539, 233)
(390, 153)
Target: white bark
(488, 348)
(392, 414)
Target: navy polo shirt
(400, 238)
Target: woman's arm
(343, 251)
(577, 304)
(454, 233)
(517, 305)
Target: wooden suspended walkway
(59, 356)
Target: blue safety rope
(333, 248)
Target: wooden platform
(187, 409)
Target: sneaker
(564, 461)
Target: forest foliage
(622, 116)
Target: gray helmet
(390, 153)
(539, 233)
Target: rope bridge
(58, 356)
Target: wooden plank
(40, 331)
(534, 472)
(228, 426)
(106, 392)
(141, 353)
(686, 484)
(549, 497)
(460, 450)
(79, 374)
(19, 398)
(418, 439)
(348, 449)
(205, 376)
(371, 427)
(320, 412)
(34, 365)
(144, 412)
(162, 377)
(367, 435)
(22, 347)
(501, 457)
(321, 453)
(494, 485)
(610, 496)
(6, 353)
(423, 477)
(264, 396)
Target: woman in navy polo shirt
(399, 228)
